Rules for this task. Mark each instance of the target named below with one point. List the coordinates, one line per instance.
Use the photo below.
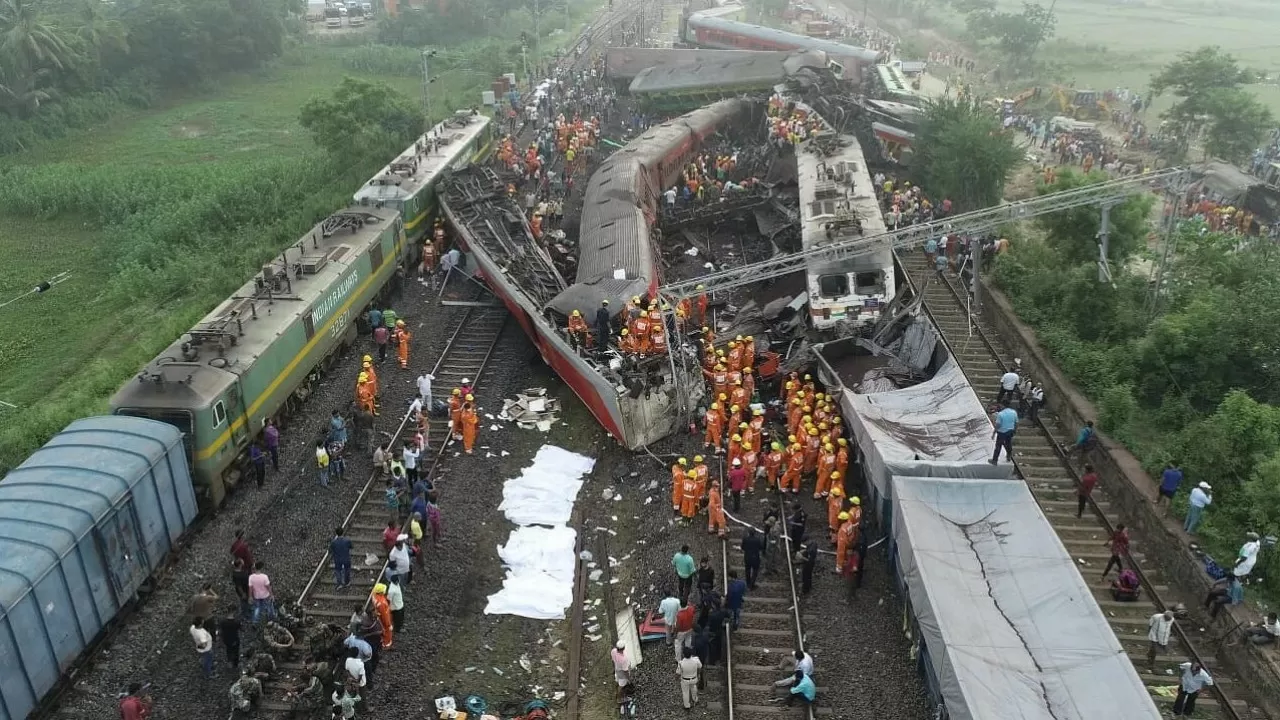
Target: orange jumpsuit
(755, 431)
(835, 504)
(826, 463)
(437, 237)
(702, 309)
(845, 540)
(749, 382)
(677, 476)
(382, 609)
(791, 476)
(772, 464)
(700, 476)
(364, 396)
(715, 513)
(579, 331)
(428, 258)
(751, 461)
(738, 396)
(658, 342)
(469, 422)
(373, 378)
(735, 418)
(734, 358)
(455, 416)
(402, 346)
(794, 417)
(720, 382)
(842, 461)
(684, 309)
(640, 334)
(813, 443)
(715, 428)
(735, 450)
(735, 377)
(689, 496)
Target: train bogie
(84, 522)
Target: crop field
(1104, 44)
(154, 217)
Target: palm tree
(31, 51)
(99, 32)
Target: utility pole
(975, 260)
(537, 41)
(426, 84)
(1104, 244)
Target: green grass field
(1105, 44)
(64, 352)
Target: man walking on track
(1006, 424)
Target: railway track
(1053, 480)
(771, 628)
(466, 354)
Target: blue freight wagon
(84, 522)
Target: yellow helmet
(813, 431)
(364, 377)
(739, 338)
(366, 358)
(791, 438)
(366, 364)
(836, 489)
(800, 394)
(737, 437)
(807, 419)
(719, 353)
(856, 500)
(757, 411)
(835, 474)
(844, 516)
(828, 447)
(683, 461)
(746, 370)
(733, 344)
(808, 409)
(842, 442)
(776, 446)
(746, 445)
(722, 396)
(751, 337)
(706, 329)
(807, 376)
(734, 408)
(715, 406)
(789, 385)
(796, 402)
(635, 299)
(700, 287)
(697, 458)
(818, 396)
(738, 382)
(835, 421)
(470, 396)
(577, 313)
(743, 426)
(626, 331)
(822, 426)
(457, 391)
(399, 323)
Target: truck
(332, 17)
(355, 16)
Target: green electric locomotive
(258, 352)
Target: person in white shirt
(354, 667)
(1248, 556)
(669, 606)
(410, 458)
(395, 598)
(398, 560)
(1200, 498)
(415, 406)
(1159, 629)
(688, 669)
(1008, 387)
(1265, 634)
(204, 645)
(424, 389)
(1194, 678)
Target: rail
(976, 329)
(463, 325)
(791, 580)
(728, 629)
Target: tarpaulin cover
(540, 560)
(1013, 631)
(934, 429)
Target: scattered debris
(532, 409)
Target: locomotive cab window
(219, 413)
(869, 283)
(830, 286)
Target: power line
(39, 289)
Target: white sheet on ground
(539, 581)
(544, 492)
(540, 560)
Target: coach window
(830, 286)
(219, 414)
(869, 283)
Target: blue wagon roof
(60, 493)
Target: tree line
(64, 62)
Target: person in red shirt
(135, 705)
(1119, 543)
(1087, 483)
(737, 483)
(684, 626)
(240, 549)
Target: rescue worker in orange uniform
(842, 456)
(701, 475)
(735, 416)
(702, 303)
(837, 428)
(688, 497)
(794, 415)
(708, 336)
(684, 309)
(640, 328)
(658, 341)
(772, 465)
(735, 448)
(364, 394)
(720, 380)
(734, 356)
(677, 477)
(470, 421)
(835, 506)
(715, 427)
(791, 475)
(402, 336)
(428, 258)
(715, 512)
(738, 395)
(750, 463)
(749, 382)
(366, 367)
(826, 466)
(579, 333)
(845, 539)
(757, 427)
(808, 386)
(455, 414)
(382, 608)
(627, 342)
(813, 443)
(749, 350)
(437, 237)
